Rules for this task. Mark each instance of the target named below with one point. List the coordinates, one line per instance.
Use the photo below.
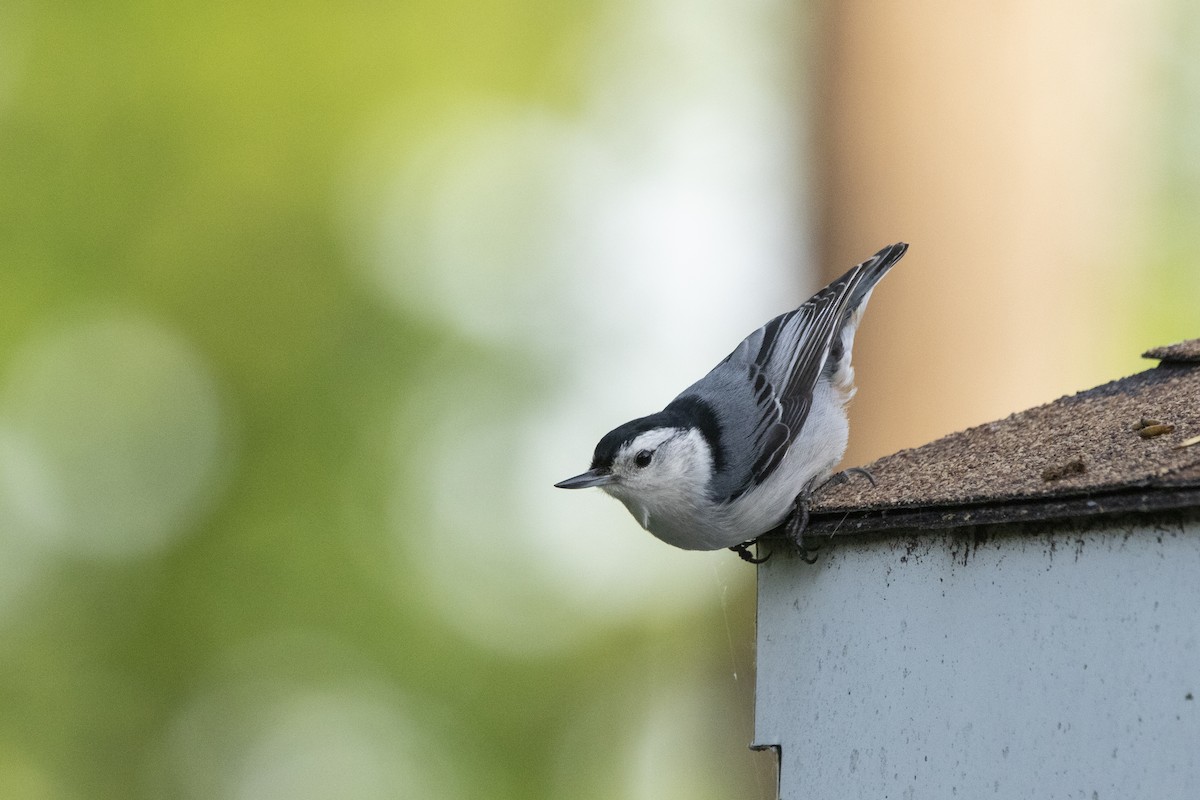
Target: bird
(741, 451)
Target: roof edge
(1139, 501)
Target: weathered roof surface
(1127, 446)
(1181, 351)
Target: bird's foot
(743, 551)
(796, 525)
(797, 521)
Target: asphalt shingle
(1126, 446)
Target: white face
(662, 465)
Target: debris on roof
(1132, 445)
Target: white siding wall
(1062, 665)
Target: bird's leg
(797, 522)
(744, 553)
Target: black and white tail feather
(731, 457)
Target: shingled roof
(1129, 446)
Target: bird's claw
(838, 478)
(743, 552)
(797, 521)
(796, 525)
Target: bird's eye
(642, 459)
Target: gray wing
(760, 395)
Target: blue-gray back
(760, 395)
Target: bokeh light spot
(474, 224)
(301, 718)
(110, 437)
(330, 746)
(657, 742)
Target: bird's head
(652, 460)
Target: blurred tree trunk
(995, 139)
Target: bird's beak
(593, 477)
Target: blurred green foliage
(179, 169)
(1168, 297)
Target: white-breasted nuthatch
(740, 452)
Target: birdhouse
(1013, 611)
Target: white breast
(684, 517)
